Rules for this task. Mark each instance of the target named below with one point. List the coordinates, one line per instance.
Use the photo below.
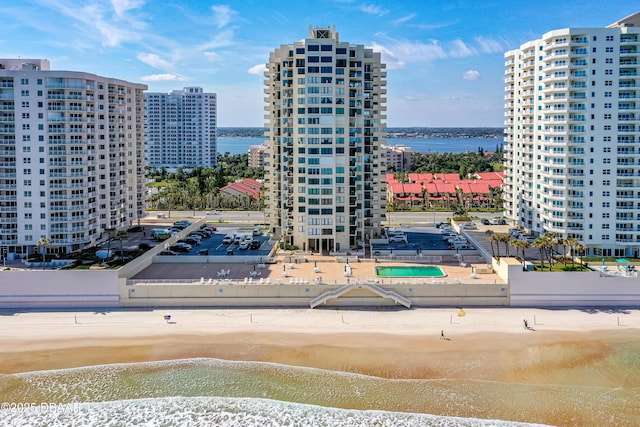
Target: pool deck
(329, 271)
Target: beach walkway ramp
(377, 290)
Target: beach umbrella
(622, 260)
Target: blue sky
(444, 58)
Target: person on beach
(167, 317)
(442, 335)
(526, 324)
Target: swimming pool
(410, 271)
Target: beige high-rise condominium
(325, 119)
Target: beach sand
(571, 367)
(480, 343)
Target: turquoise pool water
(410, 271)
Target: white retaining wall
(575, 289)
(59, 288)
(240, 295)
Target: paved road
(224, 216)
(394, 218)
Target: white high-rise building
(325, 118)
(181, 128)
(572, 152)
(72, 153)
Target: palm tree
(122, 235)
(43, 243)
(505, 238)
(580, 248)
(572, 243)
(490, 233)
(549, 241)
(520, 244)
(539, 244)
(495, 238)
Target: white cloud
(163, 78)
(403, 19)
(222, 39)
(222, 15)
(373, 9)
(471, 75)
(122, 6)
(257, 70)
(399, 53)
(155, 61)
(112, 25)
(212, 56)
(489, 45)
(459, 49)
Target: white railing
(321, 299)
(397, 298)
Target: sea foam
(224, 411)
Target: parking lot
(419, 239)
(213, 245)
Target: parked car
(203, 252)
(255, 244)
(244, 245)
(135, 229)
(257, 232)
(189, 241)
(485, 221)
(145, 246)
(211, 228)
(459, 212)
(168, 253)
(442, 225)
(228, 239)
(398, 239)
(229, 251)
(469, 226)
(498, 221)
(180, 247)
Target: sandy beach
(569, 368)
(394, 344)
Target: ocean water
(227, 393)
(234, 145)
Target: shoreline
(390, 344)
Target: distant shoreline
(392, 132)
(419, 144)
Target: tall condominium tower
(572, 151)
(72, 148)
(181, 128)
(325, 111)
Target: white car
(212, 213)
(244, 245)
(398, 239)
(469, 226)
